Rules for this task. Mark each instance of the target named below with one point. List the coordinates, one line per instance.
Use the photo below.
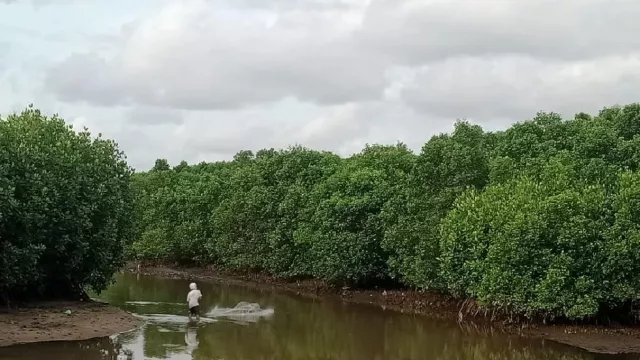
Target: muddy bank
(600, 339)
(49, 322)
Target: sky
(199, 80)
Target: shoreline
(46, 322)
(593, 338)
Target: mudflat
(63, 321)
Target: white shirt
(193, 297)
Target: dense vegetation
(539, 219)
(65, 205)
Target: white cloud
(512, 87)
(419, 31)
(202, 79)
(191, 55)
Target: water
(248, 324)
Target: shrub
(65, 206)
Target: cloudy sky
(201, 79)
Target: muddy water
(270, 325)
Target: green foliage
(65, 206)
(173, 209)
(539, 219)
(528, 246)
(346, 229)
(447, 165)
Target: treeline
(539, 219)
(65, 205)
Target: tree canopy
(65, 206)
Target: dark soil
(599, 339)
(48, 321)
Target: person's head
(193, 286)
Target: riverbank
(599, 339)
(52, 322)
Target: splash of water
(243, 312)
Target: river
(283, 327)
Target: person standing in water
(193, 298)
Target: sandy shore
(49, 322)
(598, 339)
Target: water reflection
(98, 349)
(296, 329)
(191, 338)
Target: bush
(65, 206)
(557, 246)
(446, 166)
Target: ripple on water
(170, 319)
(243, 313)
(150, 303)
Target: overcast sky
(201, 79)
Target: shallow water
(242, 324)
